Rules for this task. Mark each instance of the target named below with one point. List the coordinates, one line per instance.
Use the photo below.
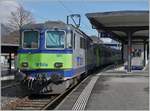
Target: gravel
(10, 94)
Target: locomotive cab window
(55, 39)
(30, 39)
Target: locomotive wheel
(75, 80)
(23, 86)
(46, 89)
(69, 83)
(81, 77)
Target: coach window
(30, 39)
(55, 39)
(85, 43)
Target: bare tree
(19, 18)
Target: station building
(9, 47)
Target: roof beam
(134, 42)
(99, 26)
(137, 37)
(125, 28)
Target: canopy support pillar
(129, 35)
(9, 61)
(144, 59)
(122, 49)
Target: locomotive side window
(30, 39)
(69, 39)
(55, 39)
(82, 43)
(74, 39)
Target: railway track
(40, 101)
(10, 85)
(36, 102)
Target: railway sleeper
(37, 103)
(31, 105)
(28, 108)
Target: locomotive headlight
(58, 64)
(25, 64)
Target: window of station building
(30, 39)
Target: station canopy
(118, 23)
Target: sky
(44, 10)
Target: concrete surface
(114, 90)
(120, 93)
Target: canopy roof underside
(118, 23)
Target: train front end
(44, 57)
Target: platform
(110, 90)
(8, 75)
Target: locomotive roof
(52, 25)
(46, 25)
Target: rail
(46, 101)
